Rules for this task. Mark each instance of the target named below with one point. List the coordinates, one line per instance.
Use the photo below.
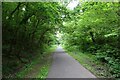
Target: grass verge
(38, 68)
(90, 62)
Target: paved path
(64, 66)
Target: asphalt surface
(64, 66)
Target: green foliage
(40, 64)
(110, 56)
(91, 63)
(43, 72)
(28, 29)
(94, 27)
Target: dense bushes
(95, 29)
(110, 55)
(28, 29)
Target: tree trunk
(92, 37)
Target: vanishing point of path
(64, 66)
